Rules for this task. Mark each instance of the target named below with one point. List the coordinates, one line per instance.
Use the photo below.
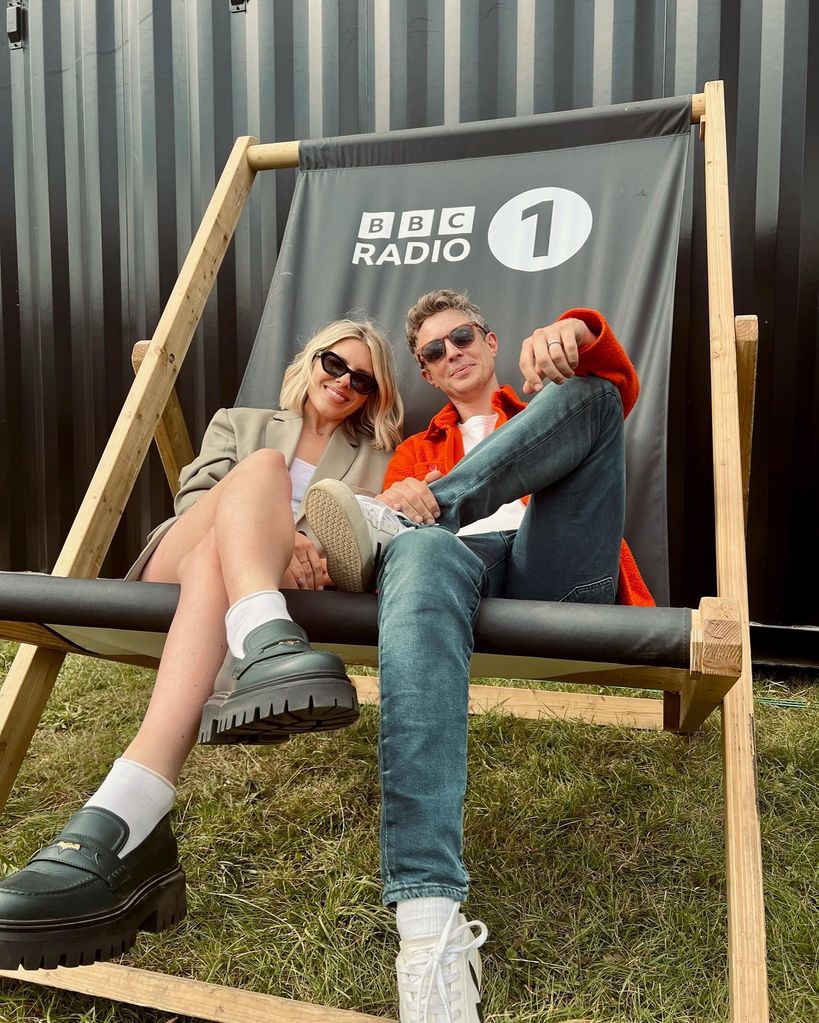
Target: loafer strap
(269, 652)
(85, 854)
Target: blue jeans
(566, 450)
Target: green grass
(595, 853)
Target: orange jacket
(441, 446)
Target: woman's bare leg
(194, 651)
(237, 539)
(250, 512)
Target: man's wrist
(593, 320)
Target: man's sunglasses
(361, 383)
(461, 337)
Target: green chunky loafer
(76, 902)
(281, 687)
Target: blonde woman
(235, 666)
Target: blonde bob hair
(381, 417)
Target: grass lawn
(596, 858)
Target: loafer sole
(273, 711)
(158, 904)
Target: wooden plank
(540, 704)
(748, 985)
(186, 997)
(39, 635)
(697, 107)
(22, 701)
(545, 669)
(628, 676)
(716, 660)
(32, 677)
(747, 344)
(172, 438)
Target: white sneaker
(440, 979)
(353, 530)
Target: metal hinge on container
(15, 23)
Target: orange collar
(504, 401)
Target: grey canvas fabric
(528, 230)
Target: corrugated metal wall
(116, 117)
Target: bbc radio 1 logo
(422, 236)
(535, 230)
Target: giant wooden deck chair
(532, 216)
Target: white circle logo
(539, 229)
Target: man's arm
(553, 352)
(579, 343)
(403, 492)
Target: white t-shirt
(301, 473)
(508, 516)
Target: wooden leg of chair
(22, 700)
(671, 712)
(748, 979)
(716, 660)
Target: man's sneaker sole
(335, 517)
(273, 711)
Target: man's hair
(436, 302)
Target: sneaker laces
(432, 972)
(382, 517)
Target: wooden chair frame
(720, 669)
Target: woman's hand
(305, 565)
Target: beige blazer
(235, 433)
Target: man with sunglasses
(523, 501)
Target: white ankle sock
(248, 613)
(137, 794)
(422, 918)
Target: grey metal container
(116, 117)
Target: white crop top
(301, 473)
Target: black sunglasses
(361, 383)
(461, 337)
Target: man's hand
(552, 353)
(305, 565)
(413, 498)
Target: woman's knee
(265, 460)
(260, 469)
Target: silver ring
(553, 342)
